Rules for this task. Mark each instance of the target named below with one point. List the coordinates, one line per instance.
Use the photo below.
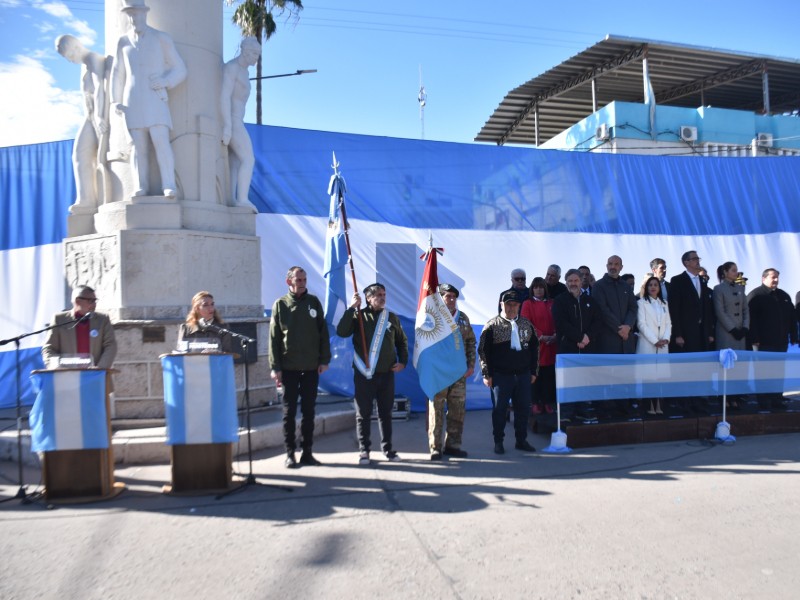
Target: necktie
(696, 279)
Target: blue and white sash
(381, 325)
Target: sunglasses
(92, 300)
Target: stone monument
(168, 223)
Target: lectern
(70, 424)
(200, 411)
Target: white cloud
(32, 108)
(61, 11)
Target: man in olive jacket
(387, 349)
(299, 352)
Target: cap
(510, 296)
(446, 287)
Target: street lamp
(298, 72)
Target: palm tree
(254, 17)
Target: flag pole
(346, 229)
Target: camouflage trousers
(455, 397)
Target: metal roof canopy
(612, 69)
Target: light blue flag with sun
(439, 356)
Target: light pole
(298, 72)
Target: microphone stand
(250, 479)
(22, 494)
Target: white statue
(88, 152)
(146, 66)
(235, 92)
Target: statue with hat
(146, 65)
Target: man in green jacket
(299, 352)
(387, 349)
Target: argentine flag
(581, 377)
(200, 399)
(439, 356)
(70, 411)
(335, 252)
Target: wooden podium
(200, 411)
(77, 466)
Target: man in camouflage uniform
(455, 396)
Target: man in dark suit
(617, 310)
(690, 310)
(658, 267)
(692, 313)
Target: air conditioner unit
(688, 134)
(602, 133)
(764, 140)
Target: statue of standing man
(233, 99)
(85, 155)
(145, 67)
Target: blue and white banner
(493, 208)
(200, 399)
(70, 411)
(590, 377)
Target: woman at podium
(202, 325)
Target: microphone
(85, 317)
(204, 324)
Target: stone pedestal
(146, 274)
(146, 256)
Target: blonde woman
(204, 312)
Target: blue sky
(368, 55)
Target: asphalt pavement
(669, 520)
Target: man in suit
(617, 312)
(658, 267)
(518, 279)
(692, 313)
(93, 334)
(552, 280)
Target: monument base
(80, 220)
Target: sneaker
(363, 458)
(308, 459)
(524, 445)
(498, 448)
(458, 452)
(436, 455)
(290, 462)
(392, 455)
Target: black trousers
(380, 388)
(302, 385)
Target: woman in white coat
(655, 327)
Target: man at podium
(81, 331)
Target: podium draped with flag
(70, 425)
(200, 411)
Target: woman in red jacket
(538, 310)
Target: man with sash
(387, 347)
